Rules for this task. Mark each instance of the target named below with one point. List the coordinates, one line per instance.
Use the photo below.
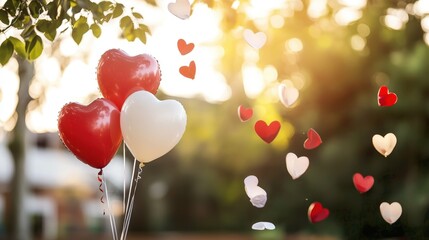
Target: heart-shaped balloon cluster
(150, 127)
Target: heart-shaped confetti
(317, 213)
(267, 132)
(363, 184)
(263, 226)
(255, 40)
(296, 166)
(386, 98)
(313, 139)
(188, 71)
(257, 195)
(384, 145)
(184, 48)
(288, 95)
(244, 113)
(180, 9)
(390, 212)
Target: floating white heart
(263, 225)
(257, 195)
(255, 40)
(296, 166)
(288, 95)
(384, 145)
(150, 127)
(180, 9)
(390, 212)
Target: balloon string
(128, 199)
(123, 199)
(131, 204)
(100, 187)
(111, 217)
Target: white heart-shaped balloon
(257, 195)
(288, 95)
(150, 127)
(390, 212)
(384, 145)
(263, 225)
(296, 166)
(180, 9)
(256, 40)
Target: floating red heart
(119, 75)
(317, 213)
(184, 48)
(188, 71)
(363, 184)
(313, 139)
(267, 132)
(244, 113)
(386, 98)
(91, 132)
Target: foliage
(37, 19)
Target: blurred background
(336, 52)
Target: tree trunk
(19, 220)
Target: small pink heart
(313, 140)
(363, 184)
(244, 113)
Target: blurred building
(64, 197)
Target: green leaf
(119, 9)
(80, 27)
(6, 49)
(34, 47)
(28, 31)
(105, 5)
(151, 2)
(140, 34)
(36, 8)
(19, 46)
(96, 30)
(126, 22)
(145, 29)
(137, 15)
(43, 25)
(11, 6)
(52, 9)
(51, 34)
(4, 17)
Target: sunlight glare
(426, 38)
(357, 42)
(277, 21)
(270, 74)
(262, 8)
(363, 30)
(357, 4)
(396, 18)
(347, 15)
(425, 24)
(9, 84)
(421, 8)
(294, 45)
(317, 8)
(253, 80)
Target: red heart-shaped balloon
(386, 98)
(363, 184)
(267, 132)
(313, 139)
(119, 75)
(244, 113)
(317, 213)
(184, 48)
(92, 132)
